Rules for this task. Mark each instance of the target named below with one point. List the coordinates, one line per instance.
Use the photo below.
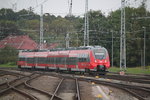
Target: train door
(83, 61)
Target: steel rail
(25, 94)
(4, 71)
(12, 86)
(20, 81)
(144, 80)
(78, 90)
(12, 83)
(5, 85)
(134, 94)
(125, 87)
(57, 89)
(17, 90)
(39, 90)
(122, 86)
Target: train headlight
(105, 61)
(96, 61)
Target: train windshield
(100, 54)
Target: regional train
(83, 59)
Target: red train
(89, 58)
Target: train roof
(65, 49)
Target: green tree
(8, 55)
(8, 27)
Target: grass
(8, 65)
(133, 70)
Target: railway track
(140, 92)
(22, 86)
(12, 86)
(67, 92)
(15, 83)
(38, 93)
(27, 89)
(144, 80)
(9, 72)
(5, 84)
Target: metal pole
(86, 25)
(77, 39)
(70, 9)
(141, 59)
(67, 40)
(144, 45)
(41, 28)
(123, 38)
(112, 48)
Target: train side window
(49, 60)
(83, 59)
(22, 59)
(56, 60)
(71, 61)
(63, 60)
(41, 60)
(36, 59)
(53, 60)
(30, 60)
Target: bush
(8, 55)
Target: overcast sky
(61, 7)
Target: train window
(22, 59)
(48, 60)
(71, 61)
(100, 53)
(51, 60)
(36, 59)
(84, 59)
(30, 60)
(63, 60)
(67, 60)
(56, 60)
(39, 61)
(42, 60)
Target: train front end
(101, 59)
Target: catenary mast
(123, 38)
(67, 36)
(41, 28)
(86, 25)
